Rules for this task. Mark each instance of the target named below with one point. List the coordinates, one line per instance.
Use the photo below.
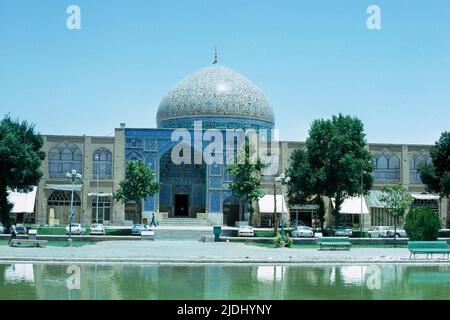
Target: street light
(361, 219)
(73, 176)
(283, 180)
(97, 158)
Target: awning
(94, 194)
(22, 202)
(64, 187)
(353, 206)
(425, 196)
(266, 204)
(374, 199)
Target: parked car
(340, 231)
(386, 232)
(97, 228)
(378, 231)
(76, 229)
(246, 231)
(302, 231)
(2, 229)
(399, 233)
(136, 229)
(21, 229)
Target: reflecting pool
(84, 281)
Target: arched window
(133, 156)
(102, 164)
(59, 206)
(387, 167)
(415, 161)
(63, 159)
(62, 198)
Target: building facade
(217, 98)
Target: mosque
(199, 193)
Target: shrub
(422, 224)
(277, 240)
(288, 241)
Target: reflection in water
(270, 273)
(50, 281)
(19, 272)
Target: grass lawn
(61, 231)
(58, 243)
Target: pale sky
(312, 59)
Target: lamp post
(362, 195)
(97, 158)
(73, 176)
(283, 180)
(361, 222)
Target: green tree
(303, 183)
(247, 179)
(138, 184)
(436, 176)
(397, 202)
(20, 161)
(422, 224)
(332, 163)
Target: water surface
(84, 281)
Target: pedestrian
(153, 222)
(13, 233)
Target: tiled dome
(214, 91)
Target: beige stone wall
(87, 145)
(403, 152)
(119, 173)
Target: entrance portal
(181, 205)
(230, 214)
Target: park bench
(333, 243)
(28, 242)
(148, 235)
(428, 248)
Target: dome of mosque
(215, 93)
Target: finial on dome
(215, 56)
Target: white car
(399, 233)
(302, 231)
(378, 231)
(246, 231)
(97, 228)
(386, 232)
(76, 229)
(2, 229)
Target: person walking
(153, 222)
(13, 234)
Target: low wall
(88, 238)
(215, 218)
(306, 241)
(161, 216)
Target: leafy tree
(247, 179)
(20, 161)
(321, 211)
(422, 224)
(332, 164)
(138, 184)
(436, 176)
(397, 202)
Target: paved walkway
(202, 252)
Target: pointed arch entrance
(183, 188)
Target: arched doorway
(59, 206)
(183, 188)
(231, 209)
